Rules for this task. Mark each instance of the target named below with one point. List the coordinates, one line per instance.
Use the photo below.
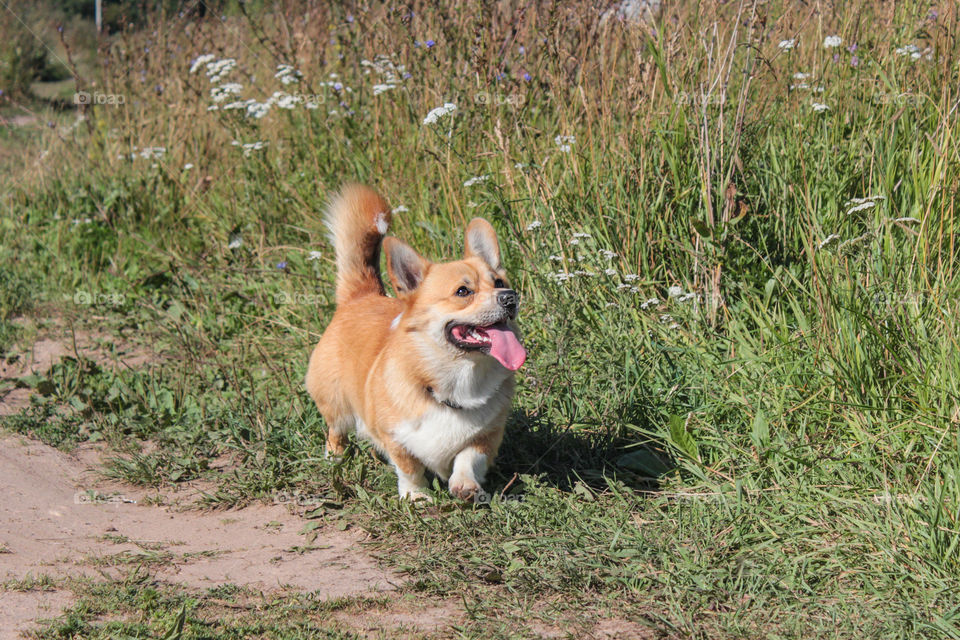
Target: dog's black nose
(509, 300)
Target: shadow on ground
(562, 457)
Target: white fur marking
(411, 485)
(469, 467)
(381, 222)
(437, 436)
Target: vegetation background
(733, 225)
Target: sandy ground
(58, 518)
(50, 527)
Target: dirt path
(49, 526)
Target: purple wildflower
(429, 43)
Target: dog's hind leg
(337, 429)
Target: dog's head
(464, 307)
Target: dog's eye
(463, 292)
(499, 284)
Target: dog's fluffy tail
(357, 219)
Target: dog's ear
(481, 241)
(405, 267)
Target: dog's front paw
(417, 496)
(465, 489)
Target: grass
(739, 416)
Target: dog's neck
(447, 403)
(468, 382)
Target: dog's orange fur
(388, 366)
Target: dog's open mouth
(498, 340)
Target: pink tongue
(505, 347)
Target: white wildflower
(439, 112)
(235, 242)
(819, 107)
(610, 272)
(284, 100)
(224, 91)
(555, 258)
(800, 75)
(536, 224)
(786, 45)
(828, 241)
(249, 147)
(674, 292)
(399, 209)
(149, 153)
(630, 277)
(832, 42)
(258, 109)
(582, 235)
(202, 60)
(287, 74)
(911, 50)
(383, 88)
(476, 180)
(574, 241)
(862, 200)
(385, 68)
(799, 85)
(907, 219)
(606, 253)
(564, 143)
(314, 255)
(239, 104)
(869, 204)
(623, 285)
(188, 166)
(646, 304)
(218, 70)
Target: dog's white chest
(440, 434)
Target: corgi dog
(428, 375)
